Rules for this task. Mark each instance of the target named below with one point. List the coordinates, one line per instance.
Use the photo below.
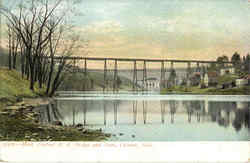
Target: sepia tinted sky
(180, 29)
(167, 28)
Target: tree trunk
(32, 72)
(10, 52)
(22, 63)
(27, 69)
(14, 61)
(10, 65)
(36, 68)
(14, 51)
(32, 80)
(57, 80)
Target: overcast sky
(181, 29)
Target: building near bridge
(241, 82)
(211, 79)
(242, 105)
(149, 83)
(228, 70)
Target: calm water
(153, 117)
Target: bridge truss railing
(116, 61)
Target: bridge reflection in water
(136, 112)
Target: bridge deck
(139, 60)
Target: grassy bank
(207, 91)
(19, 121)
(13, 88)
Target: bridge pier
(172, 66)
(188, 69)
(105, 75)
(203, 71)
(115, 87)
(85, 74)
(188, 73)
(163, 75)
(135, 76)
(144, 78)
(198, 67)
(144, 105)
(172, 79)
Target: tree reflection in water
(190, 109)
(242, 118)
(173, 107)
(222, 113)
(236, 114)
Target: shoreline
(207, 91)
(19, 122)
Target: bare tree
(39, 26)
(67, 48)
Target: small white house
(241, 82)
(241, 105)
(152, 84)
(149, 83)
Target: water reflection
(115, 111)
(84, 112)
(105, 113)
(118, 112)
(242, 119)
(144, 107)
(173, 107)
(162, 112)
(134, 111)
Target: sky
(180, 29)
(169, 29)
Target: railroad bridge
(76, 63)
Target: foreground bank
(19, 121)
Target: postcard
(124, 81)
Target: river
(150, 116)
